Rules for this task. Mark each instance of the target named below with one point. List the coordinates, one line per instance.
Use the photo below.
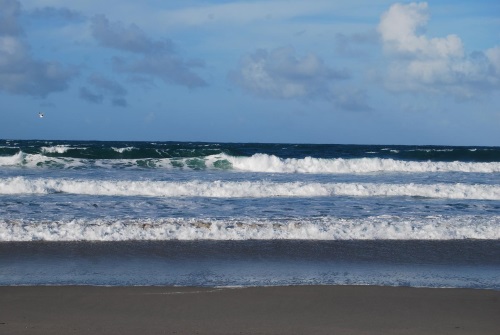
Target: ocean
(248, 214)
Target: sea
(248, 214)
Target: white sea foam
(39, 160)
(122, 150)
(327, 228)
(270, 163)
(14, 160)
(244, 189)
(59, 149)
(433, 150)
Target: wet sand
(253, 310)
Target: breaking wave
(245, 189)
(383, 227)
(270, 163)
(59, 149)
(256, 163)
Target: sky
(319, 71)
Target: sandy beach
(251, 310)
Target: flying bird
(40, 115)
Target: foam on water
(382, 227)
(245, 189)
(122, 150)
(14, 160)
(270, 163)
(59, 149)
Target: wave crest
(273, 164)
(256, 163)
(14, 160)
(57, 149)
(245, 189)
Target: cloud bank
(438, 65)
(20, 73)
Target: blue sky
(357, 71)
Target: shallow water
(470, 264)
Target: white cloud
(420, 63)
(280, 74)
(20, 73)
(493, 55)
(399, 28)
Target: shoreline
(456, 263)
(327, 309)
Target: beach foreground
(251, 310)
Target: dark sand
(257, 310)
